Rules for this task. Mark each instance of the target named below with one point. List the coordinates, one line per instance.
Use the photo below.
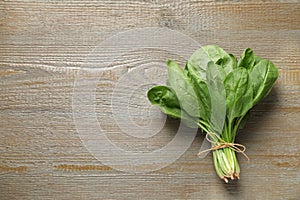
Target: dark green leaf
(247, 59)
(263, 77)
(233, 61)
(165, 99)
(238, 93)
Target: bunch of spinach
(216, 92)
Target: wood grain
(44, 46)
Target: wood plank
(43, 49)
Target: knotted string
(223, 144)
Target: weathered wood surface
(43, 46)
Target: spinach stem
(225, 160)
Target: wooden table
(47, 46)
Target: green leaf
(216, 54)
(197, 64)
(247, 59)
(233, 61)
(238, 93)
(263, 77)
(165, 99)
(183, 88)
(257, 59)
(217, 95)
(202, 93)
(201, 57)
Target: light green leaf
(183, 88)
(201, 57)
(257, 59)
(217, 95)
(202, 93)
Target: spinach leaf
(199, 60)
(165, 99)
(247, 59)
(217, 95)
(257, 59)
(217, 54)
(183, 88)
(202, 93)
(233, 61)
(263, 77)
(238, 93)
